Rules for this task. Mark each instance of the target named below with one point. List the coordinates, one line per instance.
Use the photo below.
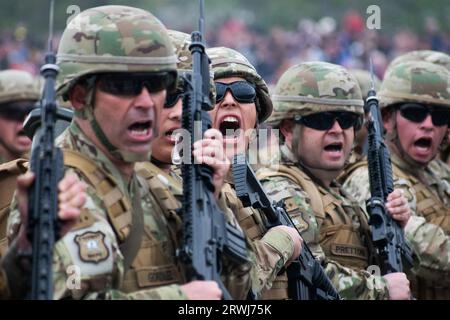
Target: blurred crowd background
(273, 35)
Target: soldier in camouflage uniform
(410, 91)
(18, 93)
(164, 179)
(269, 256)
(439, 58)
(117, 63)
(318, 107)
(242, 103)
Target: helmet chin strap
(88, 113)
(295, 143)
(295, 150)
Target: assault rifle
(387, 235)
(46, 163)
(207, 236)
(306, 277)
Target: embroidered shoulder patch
(92, 247)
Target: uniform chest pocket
(153, 253)
(343, 241)
(148, 277)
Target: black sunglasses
(16, 111)
(415, 112)
(132, 84)
(172, 98)
(325, 120)
(242, 91)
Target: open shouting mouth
(141, 131)
(334, 149)
(230, 126)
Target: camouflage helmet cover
(415, 81)
(313, 87)
(365, 81)
(181, 42)
(435, 57)
(227, 62)
(18, 85)
(113, 39)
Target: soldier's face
(129, 122)
(12, 136)
(169, 120)
(234, 119)
(419, 140)
(324, 150)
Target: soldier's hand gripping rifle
(306, 277)
(387, 235)
(47, 165)
(207, 237)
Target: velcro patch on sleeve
(92, 247)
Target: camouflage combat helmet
(181, 42)
(113, 39)
(226, 62)
(18, 85)
(435, 57)
(364, 80)
(313, 87)
(415, 81)
(116, 39)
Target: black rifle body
(387, 235)
(48, 166)
(207, 236)
(306, 277)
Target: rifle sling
(132, 243)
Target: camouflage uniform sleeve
(432, 246)
(429, 242)
(358, 185)
(268, 254)
(356, 284)
(299, 209)
(271, 254)
(350, 284)
(170, 292)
